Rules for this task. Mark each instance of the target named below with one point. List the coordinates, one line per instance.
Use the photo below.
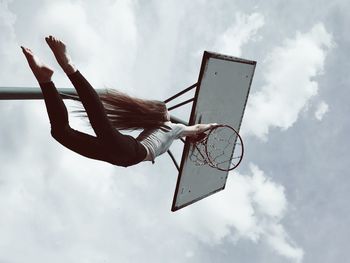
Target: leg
(89, 97)
(81, 143)
(56, 109)
(93, 106)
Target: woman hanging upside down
(108, 114)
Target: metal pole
(173, 159)
(180, 93)
(180, 104)
(34, 93)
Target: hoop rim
(210, 163)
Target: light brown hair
(130, 113)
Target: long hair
(130, 113)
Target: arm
(197, 129)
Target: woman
(112, 112)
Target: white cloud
(7, 21)
(242, 30)
(8, 44)
(269, 197)
(102, 39)
(322, 109)
(279, 240)
(289, 74)
(251, 207)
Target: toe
(48, 41)
(27, 54)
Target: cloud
(280, 241)
(322, 109)
(251, 207)
(96, 41)
(289, 72)
(7, 21)
(242, 30)
(8, 44)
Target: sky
(286, 202)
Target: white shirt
(158, 141)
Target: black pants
(110, 145)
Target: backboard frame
(206, 57)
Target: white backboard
(221, 96)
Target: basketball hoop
(222, 148)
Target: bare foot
(60, 51)
(41, 72)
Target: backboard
(221, 96)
